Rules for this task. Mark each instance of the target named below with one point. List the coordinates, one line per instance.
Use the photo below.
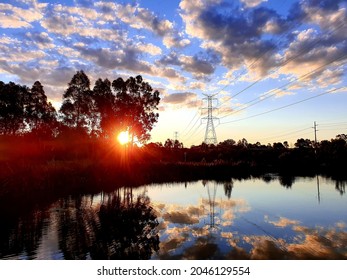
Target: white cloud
(149, 48)
(252, 3)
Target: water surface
(258, 218)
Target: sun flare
(123, 137)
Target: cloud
(237, 37)
(141, 18)
(283, 222)
(27, 15)
(321, 54)
(183, 98)
(12, 21)
(42, 40)
(177, 217)
(149, 48)
(252, 3)
(200, 65)
(241, 37)
(203, 249)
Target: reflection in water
(236, 219)
(340, 186)
(228, 188)
(245, 232)
(117, 227)
(120, 228)
(21, 236)
(287, 181)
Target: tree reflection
(287, 181)
(228, 187)
(22, 235)
(340, 186)
(120, 228)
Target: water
(258, 218)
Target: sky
(273, 67)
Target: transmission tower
(210, 133)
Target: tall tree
(40, 115)
(136, 102)
(105, 106)
(77, 108)
(12, 108)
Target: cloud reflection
(185, 233)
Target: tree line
(305, 157)
(122, 105)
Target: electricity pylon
(210, 133)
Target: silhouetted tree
(12, 108)
(278, 145)
(40, 115)
(227, 143)
(342, 136)
(303, 143)
(173, 144)
(77, 108)
(105, 106)
(136, 102)
(243, 143)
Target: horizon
(276, 68)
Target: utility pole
(210, 133)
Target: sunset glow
(274, 67)
(123, 137)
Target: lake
(257, 218)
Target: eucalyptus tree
(40, 115)
(77, 109)
(136, 103)
(12, 108)
(105, 106)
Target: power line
(286, 134)
(262, 54)
(282, 107)
(283, 63)
(196, 114)
(274, 91)
(189, 131)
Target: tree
(78, 108)
(278, 146)
(243, 143)
(173, 144)
(105, 106)
(12, 108)
(40, 115)
(136, 102)
(227, 143)
(303, 143)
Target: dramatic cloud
(198, 47)
(240, 37)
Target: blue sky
(275, 66)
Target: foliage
(24, 110)
(11, 108)
(77, 107)
(105, 106)
(136, 102)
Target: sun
(123, 137)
